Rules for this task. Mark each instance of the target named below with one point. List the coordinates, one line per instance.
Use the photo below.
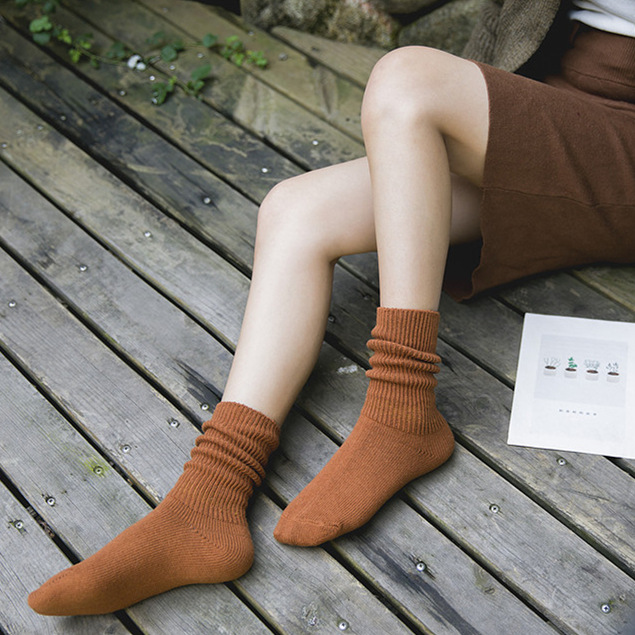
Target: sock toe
(303, 532)
(53, 597)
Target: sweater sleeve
(510, 32)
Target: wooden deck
(126, 233)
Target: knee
(407, 86)
(287, 220)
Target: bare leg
(425, 113)
(305, 225)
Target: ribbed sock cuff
(408, 327)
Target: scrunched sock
(399, 436)
(198, 534)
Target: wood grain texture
(461, 387)
(135, 307)
(125, 311)
(27, 558)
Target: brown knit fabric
(399, 436)
(198, 534)
(558, 186)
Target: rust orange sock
(399, 436)
(198, 534)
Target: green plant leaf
(160, 92)
(50, 6)
(64, 36)
(257, 58)
(201, 72)
(41, 38)
(209, 40)
(40, 24)
(117, 51)
(156, 39)
(76, 54)
(234, 42)
(84, 41)
(169, 53)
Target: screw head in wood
(12, 304)
(494, 508)
(50, 501)
(174, 423)
(562, 461)
(204, 406)
(606, 608)
(125, 448)
(421, 566)
(343, 625)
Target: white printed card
(573, 390)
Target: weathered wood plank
(618, 283)
(117, 304)
(482, 423)
(322, 602)
(27, 558)
(549, 566)
(42, 453)
(388, 549)
(242, 95)
(318, 88)
(57, 351)
(156, 183)
(505, 527)
(351, 60)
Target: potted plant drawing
(613, 372)
(551, 365)
(571, 370)
(592, 366)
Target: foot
(373, 463)
(198, 534)
(171, 547)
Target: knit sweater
(509, 32)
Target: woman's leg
(199, 533)
(305, 224)
(425, 113)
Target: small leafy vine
(45, 30)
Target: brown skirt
(559, 181)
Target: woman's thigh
(333, 208)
